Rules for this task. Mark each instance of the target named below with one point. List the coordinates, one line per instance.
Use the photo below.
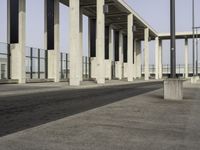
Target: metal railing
(64, 66)
(86, 67)
(180, 69)
(36, 63)
(4, 61)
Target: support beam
(186, 58)
(18, 65)
(52, 22)
(130, 47)
(100, 42)
(75, 49)
(146, 54)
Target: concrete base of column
(53, 66)
(194, 79)
(118, 70)
(125, 70)
(173, 89)
(108, 71)
(18, 63)
(93, 67)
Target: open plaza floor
(109, 117)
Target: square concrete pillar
(130, 47)
(108, 62)
(92, 47)
(146, 54)
(100, 42)
(135, 59)
(54, 53)
(160, 59)
(186, 59)
(157, 58)
(118, 67)
(173, 89)
(81, 45)
(18, 65)
(138, 59)
(75, 43)
(194, 79)
(111, 43)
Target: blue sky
(155, 12)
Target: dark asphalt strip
(26, 111)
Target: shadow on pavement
(26, 111)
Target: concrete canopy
(179, 35)
(116, 16)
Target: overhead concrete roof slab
(179, 35)
(117, 16)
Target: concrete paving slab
(144, 122)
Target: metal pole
(197, 53)
(9, 61)
(61, 65)
(66, 66)
(38, 63)
(173, 39)
(193, 42)
(46, 64)
(31, 63)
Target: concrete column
(130, 47)
(157, 58)
(135, 59)
(53, 54)
(92, 47)
(100, 42)
(75, 48)
(108, 62)
(186, 58)
(18, 66)
(120, 62)
(160, 59)
(81, 45)
(111, 43)
(146, 54)
(138, 59)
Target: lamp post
(173, 38)
(173, 87)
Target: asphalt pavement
(126, 117)
(20, 112)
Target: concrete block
(194, 79)
(173, 89)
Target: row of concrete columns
(100, 68)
